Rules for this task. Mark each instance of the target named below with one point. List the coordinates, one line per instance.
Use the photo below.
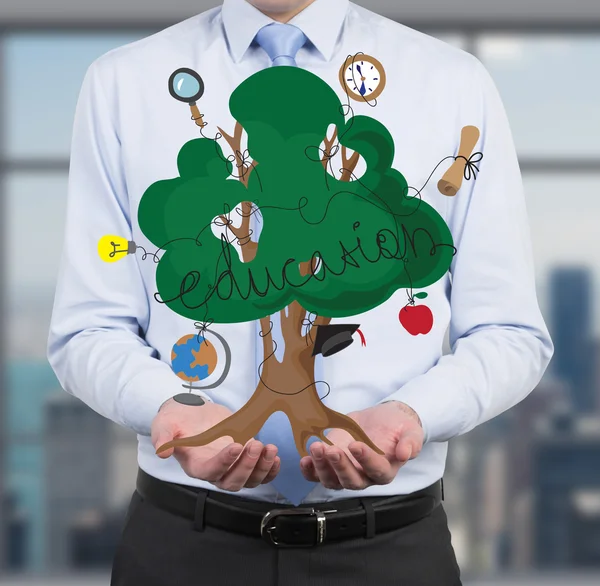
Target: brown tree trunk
(289, 385)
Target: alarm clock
(362, 77)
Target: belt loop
(370, 516)
(199, 513)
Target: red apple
(416, 319)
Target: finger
(213, 469)
(348, 476)
(307, 468)
(237, 476)
(273, 472)
(263, 466)
(375, 466)
(325, 473)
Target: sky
(551, 98)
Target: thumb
(403, 450)
(408, 447)
(162, 436)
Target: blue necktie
(281, 42)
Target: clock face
(362, 77)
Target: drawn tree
(331, 245)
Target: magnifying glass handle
(196, 116)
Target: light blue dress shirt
(110, 341)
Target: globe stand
(189, 399)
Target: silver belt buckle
(266, 528)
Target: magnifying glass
(187, 86)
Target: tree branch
(348, 164)
(244, 237)
(235, 143)
(328, 146)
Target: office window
(42, 77)
(455, 39)
(35, 204)
(551, 89)
(563, 214)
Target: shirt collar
(321, 22)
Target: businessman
(352, 509)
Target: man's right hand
(224, 463)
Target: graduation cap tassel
(363, 342)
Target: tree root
(233, 427)
(308, 417)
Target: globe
(193, 358)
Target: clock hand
(363, 90)
(358, 69)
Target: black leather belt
(288, 525)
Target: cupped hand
(224, 463)
(394, 427)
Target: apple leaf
(422, 295)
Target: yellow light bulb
(113, 248)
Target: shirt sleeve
(500, 343)
(101, 310)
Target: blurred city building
(522, 491)
(571, 324)
(29, 381)
(566, 484)
(76, 497)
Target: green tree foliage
(371, 235)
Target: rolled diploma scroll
(452, 180)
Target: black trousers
(158, 548)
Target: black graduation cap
(332, 339)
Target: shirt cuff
(144, 395)
(442, 416)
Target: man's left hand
(394, 427)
